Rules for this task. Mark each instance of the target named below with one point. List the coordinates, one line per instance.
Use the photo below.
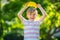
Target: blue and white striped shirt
(31, 30)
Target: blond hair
(31, 10)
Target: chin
(32, 19)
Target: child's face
(31, 16)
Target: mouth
(32, 18)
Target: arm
(20, 13)
(43, 12)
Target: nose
(32, 15)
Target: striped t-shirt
(31, 30)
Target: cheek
(28, 16)
(35, 15)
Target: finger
(37, 4)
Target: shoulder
(38, 21)
(24, 21)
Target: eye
(34, 14)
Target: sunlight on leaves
(16, 24)
(2, 20)
(12, 0)
(51, 14)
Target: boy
(31, 27)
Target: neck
(31, 20)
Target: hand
(38, 5)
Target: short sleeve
(24, 22)
(39, 22)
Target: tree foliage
(11, 25)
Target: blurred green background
(11, 27)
